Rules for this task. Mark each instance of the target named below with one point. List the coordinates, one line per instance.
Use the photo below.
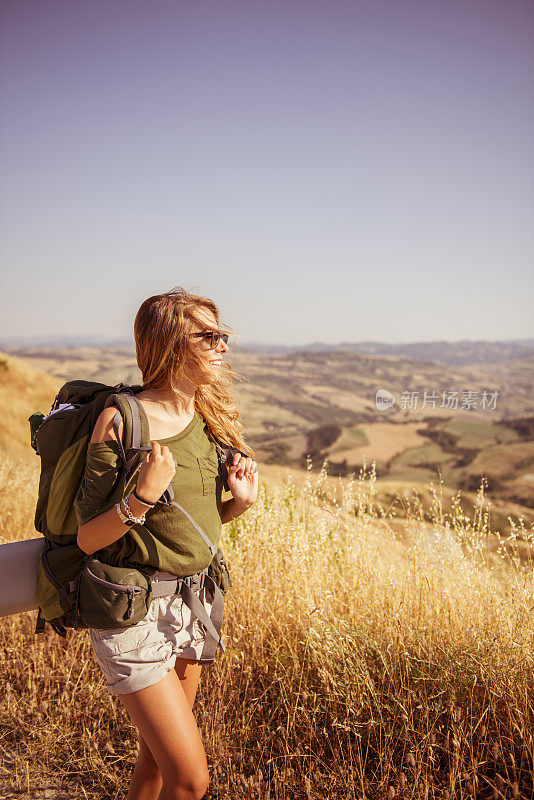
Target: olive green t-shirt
(167, 541)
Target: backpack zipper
(131, 591)
(62, 407)
(223, 563)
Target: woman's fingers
(161, 451)
(157, 472)
(168, 458)
(243, 466)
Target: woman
(154, 667)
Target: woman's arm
(155, 474)
(106, 528)
(232, 508)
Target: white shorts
(136, 657)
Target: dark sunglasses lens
(216, 336)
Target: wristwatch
(130, 519)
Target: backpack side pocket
(112, 597)
(47, 595)
(57, 571)
(219, 573)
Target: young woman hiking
(154, 666)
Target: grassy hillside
(378, 645)
(23, 390)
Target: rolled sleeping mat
(18, 576)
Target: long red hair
(164, 353)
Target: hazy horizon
(126, 341)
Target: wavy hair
(164, 354)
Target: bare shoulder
(103, 430)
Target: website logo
(384, 400)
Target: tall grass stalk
(366, 657)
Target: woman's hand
(157, 471)
(243, 480)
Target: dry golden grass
(364, 659)
(23, 390)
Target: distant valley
(320, 404)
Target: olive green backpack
(76, 590)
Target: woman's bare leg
(147, 782)
(189, 672)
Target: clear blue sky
(325, 170)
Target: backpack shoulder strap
(224, 452)
(167, 498)
(136, 433)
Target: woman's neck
(177, 404)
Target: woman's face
(211, 358)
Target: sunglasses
(212, 338)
